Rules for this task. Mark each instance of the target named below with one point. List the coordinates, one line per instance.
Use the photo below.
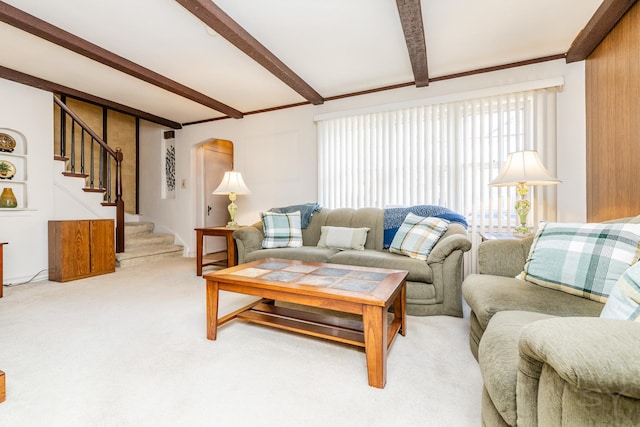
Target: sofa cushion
(343, 237)
(582, 259)
(281, 230)
(498, 357)
(487, 294)
(417, 236)
(419, 271)
(346, 217)
(308, 253)
(624, 300)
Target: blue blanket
(306, 211)
(393, 218)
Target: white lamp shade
(232, 182)
(523, 167)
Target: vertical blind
(440, 154)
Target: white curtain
(440, 154)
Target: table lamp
(522, 169)
(232, 184)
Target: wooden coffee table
(367, 292)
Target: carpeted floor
(130, 349)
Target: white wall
(30, 112)
(277, 151)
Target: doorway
(215, 158)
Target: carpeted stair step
(143, 246)
(147, 254)
(136, 228)
(149, 239)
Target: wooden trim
(499, 67)
(397, 86)
(215, 18)
(29, 23)
(411, 19)
(26, 79)
(137, 211)
(600, 24)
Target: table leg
(199, 238)
(231, 251)
(3, 387)
(212, 309)
(399, 309)
(375, 344)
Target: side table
(223, 231)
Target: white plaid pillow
(281, 230)
(418, 235)
(624, 300)
(582, 259)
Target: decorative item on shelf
(7, 143)
(522, 169)
(232, 184)
(8, 199)
(7, 169)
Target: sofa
(546, 357)
(433, 286)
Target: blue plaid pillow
(281, 230)
(624, 300)
(582, 259)
(417, 236)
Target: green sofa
(433, 287)
(545, 356)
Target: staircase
(142, 245)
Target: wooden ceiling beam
(216, 19)
(410, 13)
(29, 23)
(29, 80)
(600, 24)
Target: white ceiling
(336, 46)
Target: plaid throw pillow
(582, 259)
(624, 301)
(417, 236)
(281, 230)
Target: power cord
(10, 285)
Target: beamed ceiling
(176, 62)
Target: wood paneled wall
(613, 122)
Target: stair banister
(115, 154)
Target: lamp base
(522, 231)
(232, 224)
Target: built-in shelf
(20, 182)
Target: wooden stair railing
(107, 157)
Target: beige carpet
(129, 349)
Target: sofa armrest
(248, 239)
(503, 257)
(584, 368)
(590, 353)
(446, 246)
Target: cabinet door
(69, 241)
(102, 247)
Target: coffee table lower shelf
(325, 326)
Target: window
(442, 154)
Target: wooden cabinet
(80, 249)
